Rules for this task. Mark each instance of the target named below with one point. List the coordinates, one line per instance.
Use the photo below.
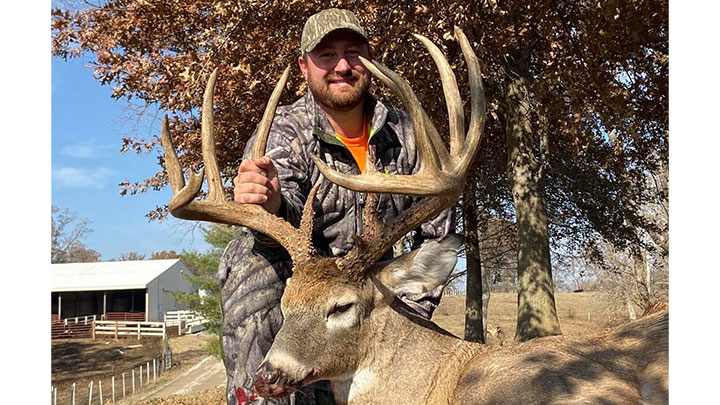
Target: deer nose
(270, 382)
(265, 375)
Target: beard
(340, 99)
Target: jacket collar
(324, 131)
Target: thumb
(266, 164)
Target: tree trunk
(629, 305)
(648, 275)
(642, 280)
(475, 311)
(537, 315)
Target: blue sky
(86, 164)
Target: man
(338, 121)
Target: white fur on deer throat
(360, 382)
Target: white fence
(186, 321)
(80, 319)
(129, 328)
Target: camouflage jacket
(301, 129)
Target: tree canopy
(592, 77)
(595, 67)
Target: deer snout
(271, 381)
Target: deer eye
(340, 309)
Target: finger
(250, 199)
(266, 164)
(251, 177)
(262, 161)
(248, 165)
(252, 188)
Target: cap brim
(351, 28)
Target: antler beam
(216, 208)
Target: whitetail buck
(343, 323)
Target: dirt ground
(215, 396)
(80, 361)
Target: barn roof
(98, 276)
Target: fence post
(100, 391)
(154, 371)
(141, 376)
(116, 330)
(92, 328)
(138, 330)
(123, 385)
(133, 380)
(147, 369)
(113, 389)
(53, 392)
(72, 394)
(90, 393)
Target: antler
(441, 175)
(216, 208)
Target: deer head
(328, 315)
(329, 303)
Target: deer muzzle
(270, 381)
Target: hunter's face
(333, 70)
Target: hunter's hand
(257, 183)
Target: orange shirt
(358, 146)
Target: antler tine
(432, 151)
(182, 193)
(216, 208)
(172, 164)
(456, 116)
(258, 149)
(438, 148)
(207, 135)
(477, 102)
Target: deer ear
(421, 270)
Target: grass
(214, 347)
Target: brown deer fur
(378, 352)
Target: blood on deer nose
(269, 382)
(265, 374)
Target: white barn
(132, 289)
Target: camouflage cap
(326, 21)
